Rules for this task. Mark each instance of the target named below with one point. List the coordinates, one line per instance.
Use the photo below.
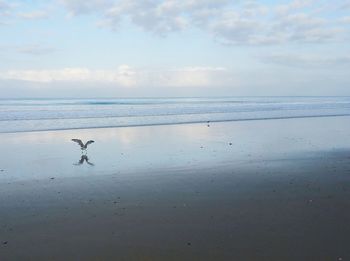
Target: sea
(23, 115)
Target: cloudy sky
(128, 48)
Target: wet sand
(257, 190)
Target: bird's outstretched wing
(89, 142)
(79, 142)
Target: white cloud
(160, 18)
(306, 60)
(27, 49)
(35, 49)
(345, 19)
(232, 27)
(345, 5)
(78, 7)
(295, 5)
(4, 6)
(126, 76)
(34, 15)
(10, 10)
(5, 11)
(243, 22)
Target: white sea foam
(49, 114)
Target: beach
(241, 190)
(168, 130)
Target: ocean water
(18, 115)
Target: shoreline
(170, 124)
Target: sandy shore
(256, 190)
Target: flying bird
(83, 146)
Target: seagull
(82, 145)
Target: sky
(173, 48)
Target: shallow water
(49, 114)
(127, 150)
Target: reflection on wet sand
(84, 158)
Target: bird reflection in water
(83, 147)
(84, 158)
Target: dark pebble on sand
(5, 242)
(230, 144)
(52, 178)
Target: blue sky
(118, 48)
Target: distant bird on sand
(83, 146)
